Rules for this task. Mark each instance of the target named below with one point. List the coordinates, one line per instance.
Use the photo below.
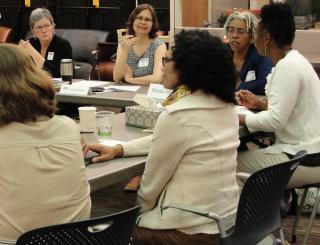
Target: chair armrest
(209, 215)
(243, 176)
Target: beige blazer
(43, 179)
(191, 161)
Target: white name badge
(158, 92)
(144, 62)
(50, 56)
(75, 90)
(251, 75)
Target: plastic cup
(87, 115)
(104, 121)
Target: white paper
(74, 90)
(243, 110)
(123, 88)
(90, 83)
(158, 92)
(110, 142)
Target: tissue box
(141, 117)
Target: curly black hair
(277, 19)
(204, 62)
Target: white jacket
(191, 161)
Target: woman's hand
(106, 152)
(127, 42)
(250, 100)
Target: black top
(58, 49)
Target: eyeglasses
(44, 27)
(166, 60)
(141, 19)
(239, 32)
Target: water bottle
(66, 70)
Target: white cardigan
(293, 91)
(191, 161)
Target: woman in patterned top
(139, 54)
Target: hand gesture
(127, 42)
(106, 152)
(249, 100)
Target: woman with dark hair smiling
(139, 54)
(192, 153)
(292, 108)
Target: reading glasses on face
(140, 18)
(166, 60)
(44, 27)
(239, 32)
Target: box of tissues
(145, 114)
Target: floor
(113, 199)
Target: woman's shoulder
(60, 41)
(156, 42)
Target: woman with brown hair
(139, 54)
(43, 180)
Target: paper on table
(110, 142)
(123, 88)
(243, 110)
(90, 83)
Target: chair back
(114, 229)
(5, 34)
(259, 206)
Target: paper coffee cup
(87, 115)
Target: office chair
(113, 229)
(258, 212)
(311, 160)
(82, 70)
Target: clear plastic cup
(104, 121)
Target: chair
(311, 160)
(5, 34)
(114, 229)
(258, 212)
(82, 70)
(105, 62)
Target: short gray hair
(249, 18)
(38, 14)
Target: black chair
(311, 160)
(114, 229)
(258, 212)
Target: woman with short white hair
(46, 48)
(252, 68)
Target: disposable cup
(87, 115)
(104, 121)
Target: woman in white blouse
(292, 108)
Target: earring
(265, 50)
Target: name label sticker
(144, 62)
(251, 75)
(75, 90)
(50, 56)
(158, 92)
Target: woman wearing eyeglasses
(139, 54)
(45, 48)
(192, 153)
(251, 67)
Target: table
(113, 99)
(107, 173)
(111, 172)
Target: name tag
(251, 75)
(144, 62)
(158, 92)
(75, 90)
(50, 56)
